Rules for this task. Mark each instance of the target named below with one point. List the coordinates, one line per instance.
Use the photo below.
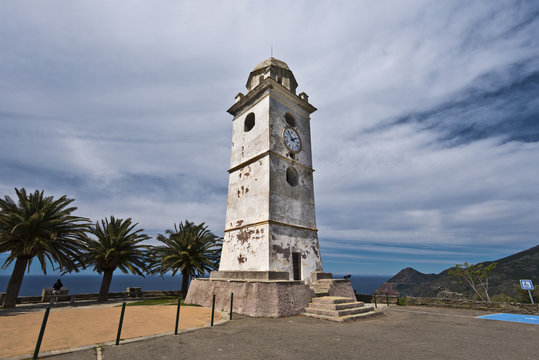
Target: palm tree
(191, 249)
(39, 226)
(117, 247)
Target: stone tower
(270, 230)
(271, 258)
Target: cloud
(424, 141)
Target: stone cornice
(271, 222)
(264, 154)
(259, 90)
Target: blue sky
(425, 142)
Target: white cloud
(122, 106)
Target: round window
(290, 119)
(249, 122)
(292, 176)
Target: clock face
(291, 139)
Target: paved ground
(88, 324)
(404, 333)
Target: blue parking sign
(526, 284)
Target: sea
(90, 283)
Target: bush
(502, 298)
(523, 296)
(402, 301)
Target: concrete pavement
(404, 333)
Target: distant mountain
(502, 280)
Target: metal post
(375, 303)
(231, 302)
(387, 299)
(212, 309)
(41, 332)
(531, 297)
(177, 315)
(120, 324)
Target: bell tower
(270, 230)
(270, 258)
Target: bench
(46, 294)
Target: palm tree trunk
(105, 285)
(185, 283)
(15, 282)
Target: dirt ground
(73, 327)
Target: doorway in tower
(296, 265)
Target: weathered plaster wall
(246, 249)
(246, 145)
(279, 106)
(248, 194)
(291, 204)
(286, 240)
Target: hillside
(502, 280)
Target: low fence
(512, 307)
(86, 297)
(148, 294)
(517, 308)
(380, 298)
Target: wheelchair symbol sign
(526, 284)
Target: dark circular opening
(290, 120)
(249, 122)
(292, 176)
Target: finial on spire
(271, 50)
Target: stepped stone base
(333, 287)
(257, 298)
(263, 293)
(340, 309)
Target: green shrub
(523, 296)
(402, 301)
(501, 298)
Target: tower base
(262, 298)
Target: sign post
(527, 285)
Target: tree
(38, 225)
(476, 276)
(117, 247)
(191, 249)
(523, 296)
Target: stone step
(337, 313)
(321, 294)
(332, 300)
(343, 306)
(321, 288)
(346, 318)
